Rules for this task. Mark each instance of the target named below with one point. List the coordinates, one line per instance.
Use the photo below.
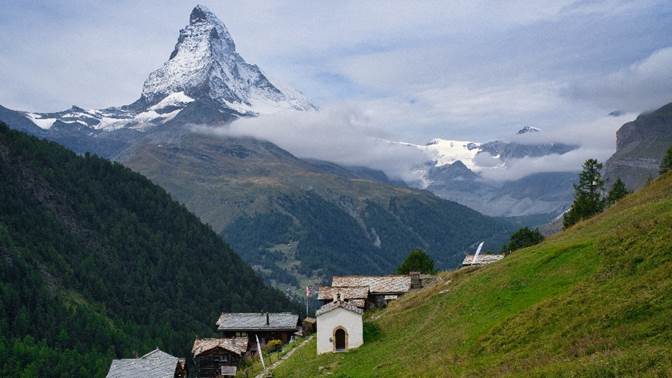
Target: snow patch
(173, 99)
(445, 152)
(42, 123)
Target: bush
(272, 346)
(524, 238)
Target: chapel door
(340, 339)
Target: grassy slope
(593, 301)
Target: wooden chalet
(155, 364)
(355, 295)
(220, 357)
(267, 326)
(381, 289)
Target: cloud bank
(644, 85)
(349, 135)
(342, 134)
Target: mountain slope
(96, 262)
(591, 301)
(298, 221)
(640, 147)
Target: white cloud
(342, 134)
(644, 85)
(348, 134)
(596, 140)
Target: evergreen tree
(666, 164)
(588, 198)
(524, 238)
(417, 261)
(618, 191)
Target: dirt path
(283, 358)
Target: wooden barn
(267, 326)
(218, 357)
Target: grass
(254, 367)
(595, 300)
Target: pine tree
(618, 191)
(666, 164)
(588, 198)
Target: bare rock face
(640, 147)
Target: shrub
(417, 261)
(272, 346)
(524, 238)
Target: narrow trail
(277, 363)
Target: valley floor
(595, 300)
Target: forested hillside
(298, 223)
(96, 262)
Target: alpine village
(223, 225)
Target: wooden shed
(218, 357)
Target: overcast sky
(470, 69)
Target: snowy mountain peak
(204, 80)
(528, 130)
(201, 13)
(205, 65)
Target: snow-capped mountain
(478, 156)
(204, 80)
(206, 65)
(447, 152)
(455, 168)
(528, 130)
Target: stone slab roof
(334, 305)
(483, 259)
(237, 345)
(349, 292)
(155, 364)
(376, 284)
(256, 321)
